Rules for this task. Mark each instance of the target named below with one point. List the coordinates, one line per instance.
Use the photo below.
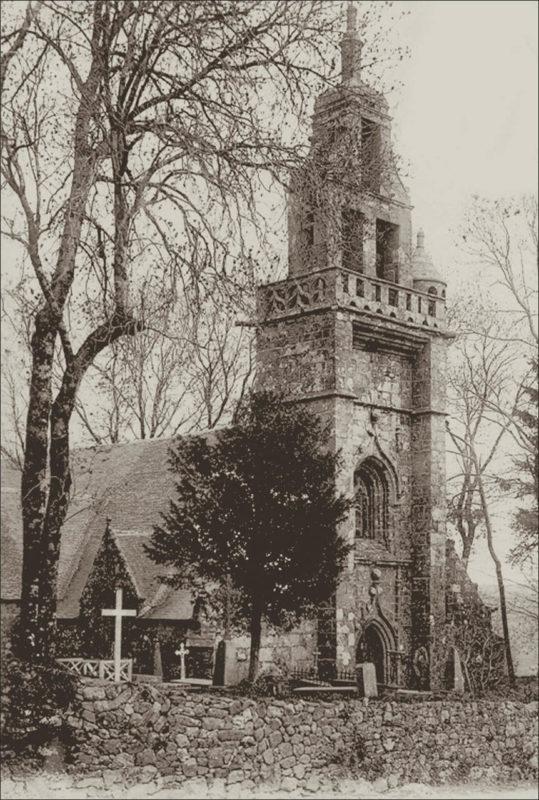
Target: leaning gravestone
(366, 680)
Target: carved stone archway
(375, 643)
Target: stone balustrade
(343, 288)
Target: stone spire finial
(351, 46)
(351, 17)
(422, 264)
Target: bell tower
(357, 331)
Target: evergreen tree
(257, 507)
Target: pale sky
(466, 116)
(465, 120)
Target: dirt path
(43, 787)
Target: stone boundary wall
(160, 732)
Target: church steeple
(351, 46)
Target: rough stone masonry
(133, 732)
(357, 331)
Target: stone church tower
(357, 331)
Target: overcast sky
(466, 116)
(466, 121)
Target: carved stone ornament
(420, 662)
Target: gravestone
(157, 660)
(220, 663)
(366, 680)
(458, 677)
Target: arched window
(372, 500)
(433, 290)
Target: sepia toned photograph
(269, 399)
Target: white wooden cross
(182, 652)
(118, 613)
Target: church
(357, 331)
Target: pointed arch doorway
(371, 647)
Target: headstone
(220, 663)
(458, 677)
(157, 660)
(366, 680)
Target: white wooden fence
(98, 668)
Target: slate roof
(160, 600)
(126, 483)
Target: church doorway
(371, 648)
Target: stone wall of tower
(332, 180)
(297, 355)
(358, 334)
(382, 400)
(428, 502)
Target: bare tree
(493, 381)
(155, 114)
(481, 377)
(136, 139)
(185, 372)
(501, 238)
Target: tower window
(352, 239)
(387, 245)
(372, 500)
(371, 166)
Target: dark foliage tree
(256, 505)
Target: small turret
(426, 277)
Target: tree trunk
(40, 541)
(57, 505)
(256, 631)
(34, 479)
(499, 574)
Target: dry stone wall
(135, 732)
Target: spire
(423, 266)
(351, 18)
(351, 46)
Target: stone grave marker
(366, 680)
(458, 677)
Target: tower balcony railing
(343, 288)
